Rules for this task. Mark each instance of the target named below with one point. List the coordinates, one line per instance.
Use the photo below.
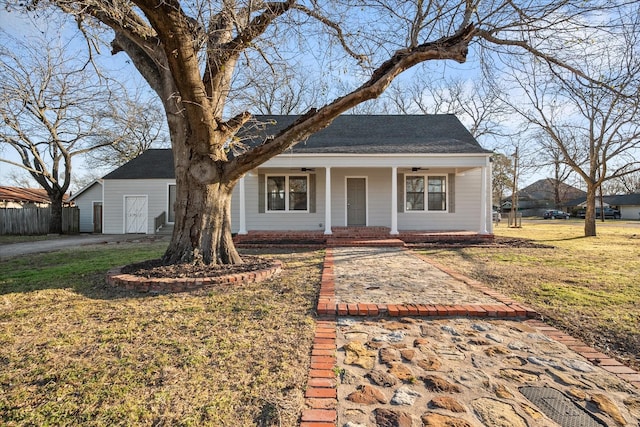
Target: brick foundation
(356, 236)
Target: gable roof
(156, 163)
(348, 134)
(85, 188)
(378, 134)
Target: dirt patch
(157, 269)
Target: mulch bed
(155, 268)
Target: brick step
(354, 241)
(361, 232)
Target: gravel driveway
(61, 242)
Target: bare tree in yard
(50, 112)
(551, 155)
(626, 184)
(501, 177)
(141, 125)
(194, 56)
(595, 127)
(283, 95)
(478, 103)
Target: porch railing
(159, 221)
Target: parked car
(553, 214)
(608, 213)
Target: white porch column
(243, 215)
(394, 200)
(327, 201)
(483, 202)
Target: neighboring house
(627, 204)
(89, 202)
(534, 199)
(18, 197)
(423, 172)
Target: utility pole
(513, 217)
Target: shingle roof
(26, 195)
(382, 134)
(348, 134)
(544, 189)
(625, 199)
(152, 164)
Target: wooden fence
(28, 221)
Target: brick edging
(115, 278)
(321, 395)
(594, 356)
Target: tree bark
(202, 231)
(590, 212)
(55, 221)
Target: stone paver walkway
(394, 366)
(361, 275)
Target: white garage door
(135, 214)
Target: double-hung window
(425, 193)
(287, 193)
(415, 193)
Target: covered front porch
(438, 197)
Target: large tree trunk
(590, 212)
(55, 221)
(202, 232)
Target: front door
(135, 214)
(356, 201)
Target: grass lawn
(73, 352)
(589, 287)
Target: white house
(401, 172)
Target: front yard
(73, 352)
(586, 286)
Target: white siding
(235, 208)
(466, 202)
(467, 215)
(465, 218)
(279, 220)
(84, 202)
(378, 195)
(156, 190)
